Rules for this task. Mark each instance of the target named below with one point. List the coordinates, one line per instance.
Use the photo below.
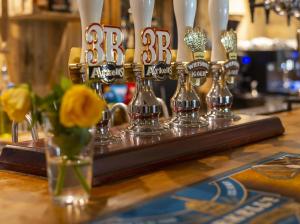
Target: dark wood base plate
(135, 155)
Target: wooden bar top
(25, 199)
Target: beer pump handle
(142, 11)
(90, 12)
(185, 11)
(218, 14)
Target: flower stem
(60, 179)
(81, 179)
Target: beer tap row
(104, 61)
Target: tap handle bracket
(231, 65)
(156, 55)
(104, 54)
(196, 40)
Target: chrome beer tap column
(219, 99)
(144, 108)
(223, 68)
(152, 58)
(191, 72)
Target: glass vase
(69, 166)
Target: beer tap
(286, 8)
(101, 60)
(224, 68)
(152, 58)
(190, 71)
(266, 5)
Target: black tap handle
(252, 7)
(289, 19)
(267, 13)
(267, 6)
(298, 40)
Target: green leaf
(71, 140)
(65, 83)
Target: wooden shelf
(47, 16)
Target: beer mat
(267, 191)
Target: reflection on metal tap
(143, 140)
(179, 132)
(15, 125)
(165, 112)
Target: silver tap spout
(124, 107)
(165, 111)
(114, 108)
(15, 127)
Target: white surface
(185, 11)
(18, 7)
(218, 15)
(237, 7)
(142, 11)
(163, 46)
(149, 56)
(96, 48)
(158, 46)
(114, 39)
(90, 12)
(267, 44)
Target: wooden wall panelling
(71, 38)
(105, 13)
(168, 16)
(115, 12)
(111, 14)
(33, 48)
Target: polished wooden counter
(25, 199)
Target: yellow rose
(81, 106)
(16, 102)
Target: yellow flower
(81, 106)
(16, 102)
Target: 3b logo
(104, 43)
(157, 54)
(157, 43)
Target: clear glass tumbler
(69, 166)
